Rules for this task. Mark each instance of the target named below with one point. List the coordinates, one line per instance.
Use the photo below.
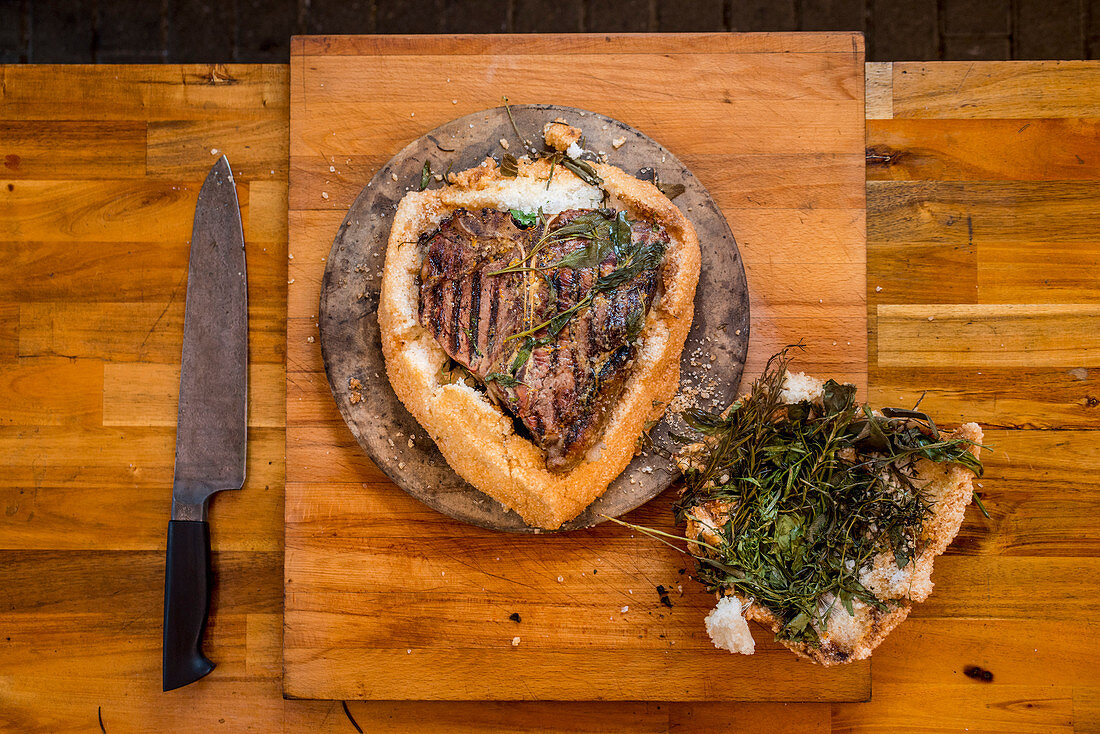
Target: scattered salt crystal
(324, 194)
(213, 151)
(624, 610)
(310, 339)
(515, 642)
(561, 579)
(878, 289)
(332, 169)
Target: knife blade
(211, 432)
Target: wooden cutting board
(387, 599)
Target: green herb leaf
(583, 170)
(524, 219)
(837, 398)
(425, 174)
(981, 506)
(503, 379)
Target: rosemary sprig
(632, 259)
(526, 143)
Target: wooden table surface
(983, 285)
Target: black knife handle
(186, 602)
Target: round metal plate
(713, 358)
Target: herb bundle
(814, 493)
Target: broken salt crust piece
(729, 630)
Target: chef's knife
(212, 424)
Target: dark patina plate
(713, 357)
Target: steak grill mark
(566, 386)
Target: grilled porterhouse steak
(545, 316)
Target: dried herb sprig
(632, 258)
(814, 492)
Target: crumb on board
(618, 143)
(310, 339)
(515, 641)
(356, 397)
(354, 384)
(560, 135)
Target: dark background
(86, 31)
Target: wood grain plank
(1028, 709)
(573, 43)
(341, 461)
(468, 717)
(1054, 149)
(1037, 397)
(73, 702)
(510, 673)
(126, 458)
(993, 211)
(994, 335)
(184, 149)
(72, 149)
(763, 718)
(1086, 708)
(134, 332)
(1018, 652)
(141, 394)
(752, 79)
(333, 134)
(75, 513)
(125, 270)
(1007, 587)
(990, 90)
(129, 581)
(266, 215)
(1038, 272)
(142, 92)
(92, 211)
(908, 273)
(9, 331)
(51, 392)
(879, 90)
